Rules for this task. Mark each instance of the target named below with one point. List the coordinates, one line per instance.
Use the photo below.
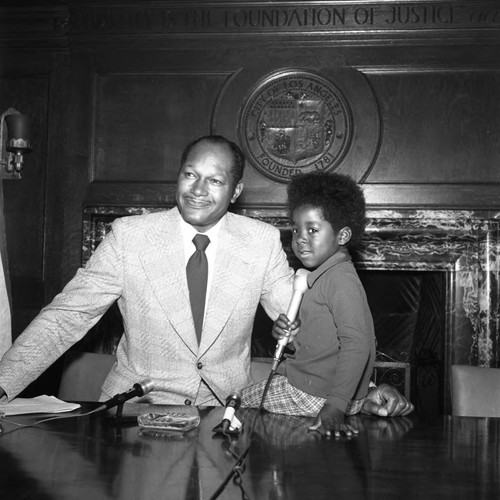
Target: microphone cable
(300, 286)
(42, 421)
(238, 466)
(238, 470)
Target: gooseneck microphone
(299, 288)
(138, 389)
(233, 402)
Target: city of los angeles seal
(295, 122)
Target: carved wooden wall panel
(440, 126)
(142, 122)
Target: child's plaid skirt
(282, 397)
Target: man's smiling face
(205, 186)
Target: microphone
(233, 402)
(138, 389)
(299, 288)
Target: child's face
(314, 241)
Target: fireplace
(444, 260)
(408, 309)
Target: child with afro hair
(328, 374)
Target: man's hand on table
(386, 401)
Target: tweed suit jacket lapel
(164, 264)
(232, 266)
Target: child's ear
(345, 235)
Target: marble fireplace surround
(465, 244)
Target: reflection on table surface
(406, 457)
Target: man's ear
(237, 191)
(345, 235)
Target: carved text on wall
(197, 17)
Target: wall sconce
(14, 140)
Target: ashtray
(168, 422)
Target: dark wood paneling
(143, 121)
(439, 126)
(24, 200)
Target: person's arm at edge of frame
(15, 374)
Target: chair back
(475, 391)
(83, 375)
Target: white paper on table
(39, 404)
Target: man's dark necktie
(197, 275)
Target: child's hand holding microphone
(286, 327)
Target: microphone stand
(119, 399)
(118, 414)
(119, 411)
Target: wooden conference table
(406, 457)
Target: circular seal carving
(295, 122)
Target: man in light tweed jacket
(141, 263)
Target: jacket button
(188, 402)
(199, 365)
